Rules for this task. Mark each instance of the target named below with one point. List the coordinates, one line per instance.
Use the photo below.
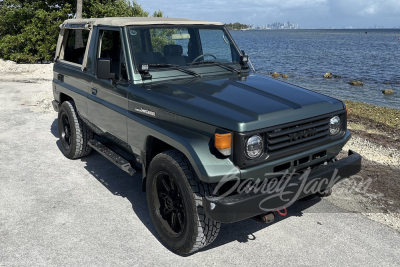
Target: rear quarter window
(75, 46)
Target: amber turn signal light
(223, 142)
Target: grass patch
(382, 115)
(362, 127)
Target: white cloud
(368, 11)
(365, 7)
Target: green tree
(236, 26)
(78, 33)
(29, 29)
(112, 8)
(79, 9)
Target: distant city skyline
(276, 26)
(295, 26)
(307, 13)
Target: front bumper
(280, 194)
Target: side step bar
(122, 163)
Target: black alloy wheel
(169, 204)
(65, 132)
(174, 197)
(73, 133)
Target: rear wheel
(73, 133)
(174, 196)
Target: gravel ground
(374, 191)
(375, 152)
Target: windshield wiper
(218, 64)
(176, 67)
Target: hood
(242, 103)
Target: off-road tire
(199, 230)
(80, 134)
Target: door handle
(60, 77)
(94, 91)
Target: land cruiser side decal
(145, 111)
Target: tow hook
(282, 213)
(269, 217)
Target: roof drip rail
(76, 26)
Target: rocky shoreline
(381, 93)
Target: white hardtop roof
(138, 21)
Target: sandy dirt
(28, 73)
(373, 192)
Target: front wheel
(174, 195)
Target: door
(107, 100)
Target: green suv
(215, 142)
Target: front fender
(209, 168)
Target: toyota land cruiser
(216, 142)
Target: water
(306, 55)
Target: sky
(307, 13)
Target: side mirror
(103, 70)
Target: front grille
(289, 139)
(278, 140)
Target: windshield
(181, 46)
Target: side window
(76, 46)
(110, 47)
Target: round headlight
(254, 146)
(334, 125)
